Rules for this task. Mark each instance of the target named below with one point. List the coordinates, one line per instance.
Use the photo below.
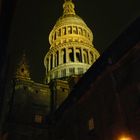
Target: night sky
(34, 19)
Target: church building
(84, 96)
(28, 105)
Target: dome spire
(68, 7)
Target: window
(63, 73)
(80, 70)
(63, 54)
(22, 70)
(71, 71)
(55, 36)
(91, 124)
(91, 57)
(80, 31)
(56, 74)
(24, 87)
(78, 55)
(88, 36)
(36, 91)
(75, 30)
(59, 32)
(69, 30)
(84, 32)
(64, 89)
(71, 55)
(85, 54)
(64, 30)
(38, 119)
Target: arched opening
(71, 55)
(57, 58)
(59, 32)
(80, 31)
(85, 55)
(63, 54)
(55, 36)
(69, 30)
(78, 55)
(51, 64)
(64, 30)
(91, 57)
(75, 30)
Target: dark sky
(34, 19)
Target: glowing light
(125, 138)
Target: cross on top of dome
(68, 7)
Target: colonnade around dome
(69, 59)
(75, 33)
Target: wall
(112, 101)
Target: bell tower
(22, 71)
(71, 49)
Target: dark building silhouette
(105, 104)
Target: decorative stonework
(71, 51)
(22, 71)
(68, 7)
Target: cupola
(71, 46)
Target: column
(74, 53)
(59, 57)
(49, 63)
(94, 57)
(89, 57)
(66, 30)
(82, 55)
(67, 56)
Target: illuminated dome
(71, 51)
